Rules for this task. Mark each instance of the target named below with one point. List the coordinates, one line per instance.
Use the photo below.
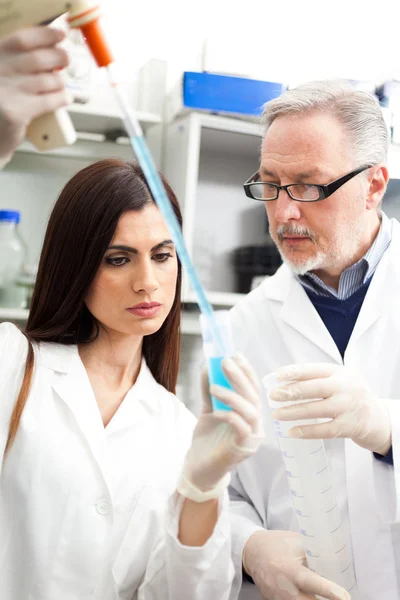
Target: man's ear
(377, 183)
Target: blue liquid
(145, 160)
(143, 155)
(217, 376)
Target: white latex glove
(30, 83)
(355, 412)
(277, 563)
(222, 439)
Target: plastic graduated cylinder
(314, 500)
(214, 354)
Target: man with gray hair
(329, 322)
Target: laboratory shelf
(94, 120)
(218, 299)
(89, 147)
(206, 159)
(13, 314)
(93, 126)
(190, 324)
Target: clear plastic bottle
(12, 258)
(314, 500)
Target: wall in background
(391, 201)
(31, 184)
(287, 41)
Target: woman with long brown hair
(108, 488)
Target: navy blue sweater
(339, 317)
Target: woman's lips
(145, 310)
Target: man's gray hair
(359, 113)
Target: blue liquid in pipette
(216, 375)
(160, 196)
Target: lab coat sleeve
(386, 476)
(241, 503)
(178, 572)
(13, 351)
(245, 520)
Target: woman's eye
(117, 261)
(162, 257)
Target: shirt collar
(358, 273)
(65, 359)
(378, 248)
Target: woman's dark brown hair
(80, 229)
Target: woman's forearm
(197, 522)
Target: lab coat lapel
(295, 312)
(72, 386)
(384, 290)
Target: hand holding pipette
(55, 129)
(30, 85)
(88, 21)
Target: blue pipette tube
(220, 342)
(160, 196)
(213, 352)
(217, 339)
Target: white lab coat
(82, 507)
(275, 325)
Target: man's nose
(286, 209)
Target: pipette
(145, 160)
(85, 16)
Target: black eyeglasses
(302, 192)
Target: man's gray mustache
(295, 230)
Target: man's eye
(162, 257)
(117, 261)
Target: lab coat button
(103, 507)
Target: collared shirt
(355, 276)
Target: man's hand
(30, 82)
(339, 395)
(277, 563)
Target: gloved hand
(30, 84)
(277, 563)
(355, 412)
(222, 439)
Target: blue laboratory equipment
(217, 377)
(217, 336)
(213, 353)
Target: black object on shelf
(253, 261)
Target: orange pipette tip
(88, 22)
(96, 40)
